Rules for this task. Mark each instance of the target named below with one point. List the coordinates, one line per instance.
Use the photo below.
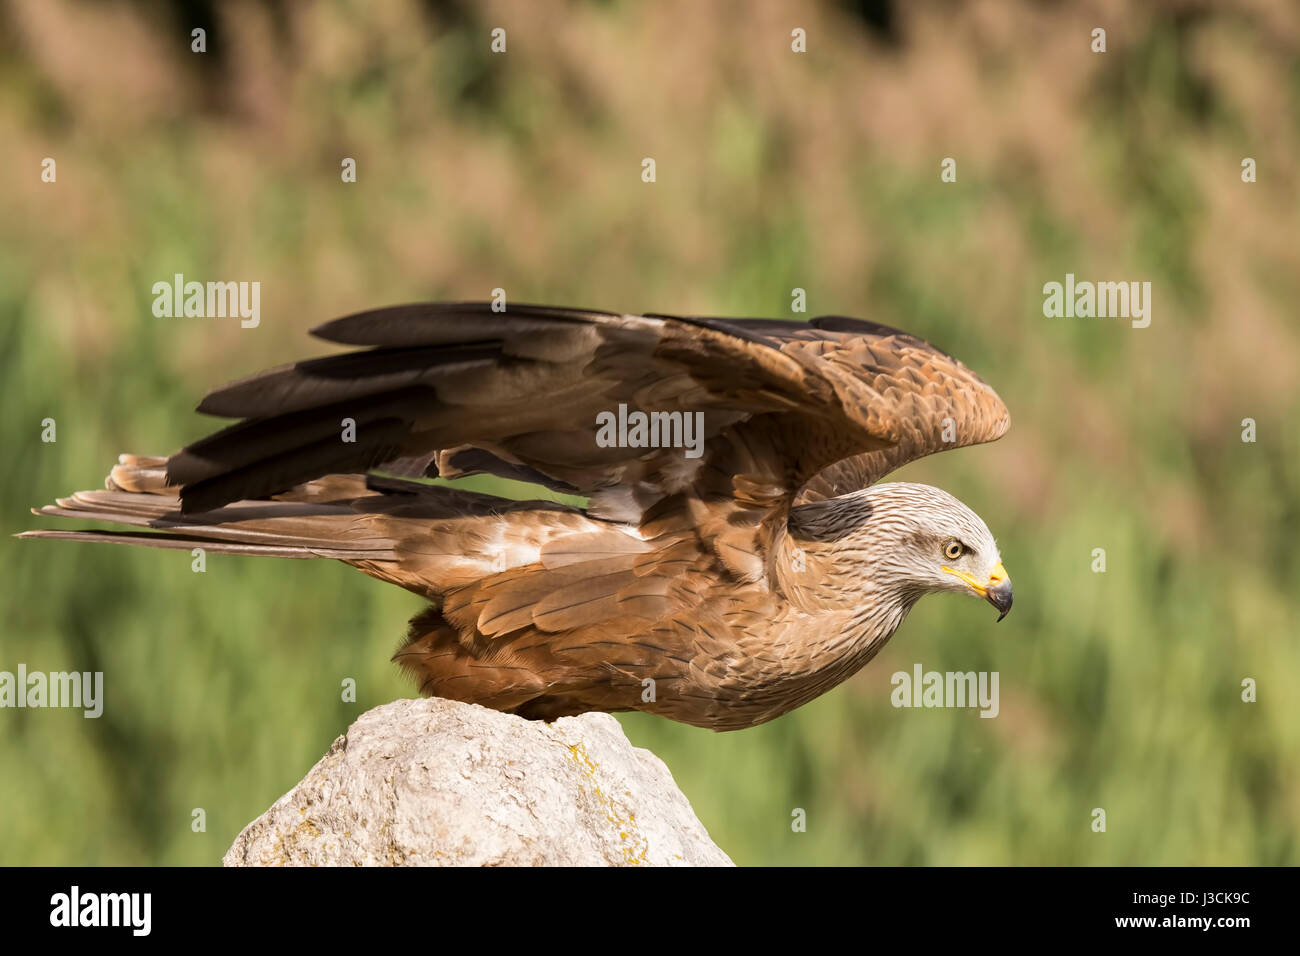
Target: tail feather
(317, 520)
(179, 543)
(421, 537)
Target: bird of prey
(735, 558)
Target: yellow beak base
(997, 591)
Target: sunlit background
(775, 170)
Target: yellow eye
(953, 550)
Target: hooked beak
(997, 591)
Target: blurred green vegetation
(776, 170)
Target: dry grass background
(775, 170)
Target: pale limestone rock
(435, 782)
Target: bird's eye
(953, 550)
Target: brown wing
(457, 388)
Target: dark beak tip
(1000, 597)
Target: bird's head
(911, 540)
(936, 543)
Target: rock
(436, 782)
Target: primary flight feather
(721, 584)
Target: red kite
(735, 558)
